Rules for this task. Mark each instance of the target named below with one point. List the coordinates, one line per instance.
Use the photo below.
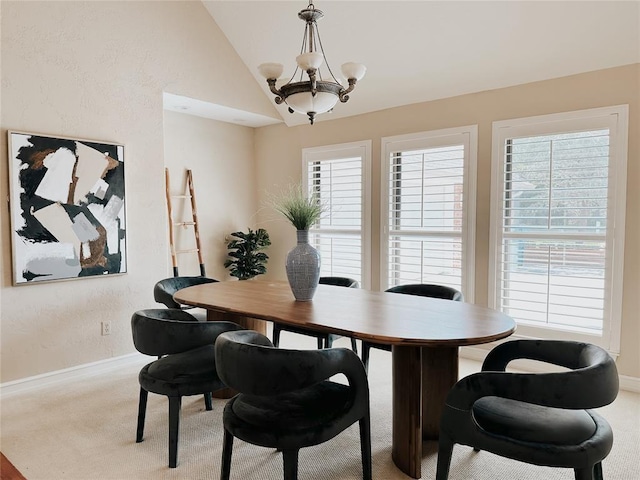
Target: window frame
(466, 135)
(616, 119)
(360, 149)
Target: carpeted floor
(86, 430)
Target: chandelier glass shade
(313, 94)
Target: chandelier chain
(326, 63)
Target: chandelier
(317, 94)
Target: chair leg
(208, 401)
(445, 450)
(328, 341)
(584, 473)
(142, 411)
(174, 429)
(365, 447)
(321, 342)
(597, 471)
(227, 450)
(290, 460)
(365, 356)
(354, 347)
(276, 335)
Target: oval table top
(380, 317)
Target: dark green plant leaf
(245, 258)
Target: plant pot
(303, 268)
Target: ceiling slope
(417, 51)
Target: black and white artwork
(67, 208)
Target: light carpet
(85, 429)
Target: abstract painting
(67, 208)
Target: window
(557, 228)
(340, 176)
(428, 209)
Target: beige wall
(278, 156)
(97, 70)
(220, 155)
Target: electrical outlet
(106, 328)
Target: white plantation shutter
(429, 194)
(338, 175)
(553, 227)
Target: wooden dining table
(425, 335)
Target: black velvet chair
(422, 290)
(537, 418)
(186, 363)
(164, 289)
(286, 400)
(325, 340)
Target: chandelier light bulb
(309, 61)
(353, 70)
(271, 70)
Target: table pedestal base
(248, 323)
(416, 415)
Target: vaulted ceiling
(417, 51)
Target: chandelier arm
(352, 85)
(344, 93)
(272, 86)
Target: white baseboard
(474, 353)
(36, 382)
(631, 384)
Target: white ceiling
(417, 51)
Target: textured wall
(278, 159)
(97, 70)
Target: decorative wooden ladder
(194, 223)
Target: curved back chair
(325, 340)
(185, 365)
(164, 289)
(419, 289)
(428, 290)
(538, 418)
(286, 400)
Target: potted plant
(303, 262)
(246, 260)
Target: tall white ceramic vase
(303, 268)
